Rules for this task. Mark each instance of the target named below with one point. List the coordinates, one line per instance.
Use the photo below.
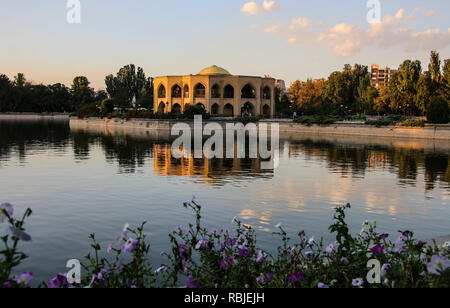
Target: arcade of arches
(218, 92)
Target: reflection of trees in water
(25, 137)
(358, 159)
(130, 153)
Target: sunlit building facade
(217, 91)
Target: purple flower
(268, 276)
(5, 208)
(119, 264)
(183, 251)
(24, 280)
(187, 203)
(332, 247)
(400, 239)
(295, 277)
(8, 285)
(109, 249)
(60, 281)
(101, 274)
(358, 282)
(399, 249)
(260, 280)
(261, 256)
(309, 255)
(123, 237)
(377, 250)
(438, 265)
(186, 268)
(226, 263)
(230, 242)
(244, 253)
(178, 230)
(321, 285)
(204, 243)
(130, 245)
(19, 234)
(383, 236)
(192, 284)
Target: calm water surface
(79, 182)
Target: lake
(94, 181)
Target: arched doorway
(199, 90)
(215, 91)
(266, 110)
(247, 109)
(228, 110)
(176, 91)
(176, 109)
(186, 91)
(201, 106)
(161, 91)
(248, 91)
(161, 107)
(215, 109)
(267, 93)
(228, 92)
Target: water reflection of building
(210, 170)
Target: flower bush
(226, 258)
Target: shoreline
(34, 116)
(288, 129)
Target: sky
(287, 39)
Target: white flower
(446, 245)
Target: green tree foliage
(434, 69)
(403, 87)
(129, 86)
(445, 86)
(424, 92)
(82, 94)
(438, 111)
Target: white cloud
(300, 23)
(430, 13)
(347, 39)
(253, 8)
(292, 41)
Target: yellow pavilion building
(217, 91)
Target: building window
(176, 91)
(266, 93)
(215, 91)
(199, 90)
(248, 91)
(228, 92)
(161, 91)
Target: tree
(438, 111)
(424, 91)
(383, 101)
(83, 95)
(435, 68)
(294, 91)
(403, 86)
(128, 84)
(366, 94)
(445, 86)
(5, 94)
(310, 93)
(339, 92)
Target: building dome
(214, 70)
